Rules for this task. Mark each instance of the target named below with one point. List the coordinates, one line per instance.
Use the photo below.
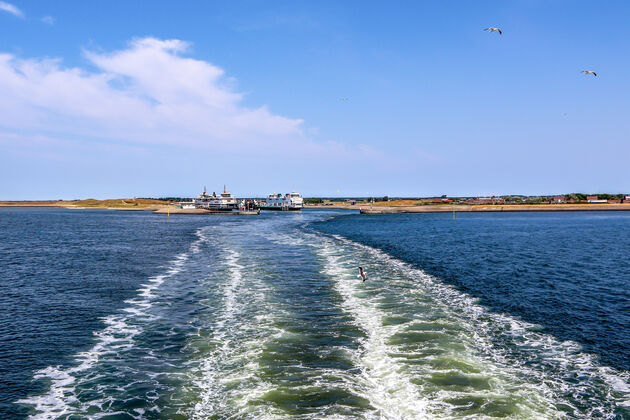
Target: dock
(175, 210)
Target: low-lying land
(118, 204)
(379, 207)
(402, 207)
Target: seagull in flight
(343, 99)
(362, 274)
(589, 72)
(491, 29)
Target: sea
(134, 315)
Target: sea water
(126, 315)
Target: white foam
(239, 330)
(118, 335)
(556, 358)
(387, 388)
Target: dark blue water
(568, 272)
(61, 271)
(136, 315)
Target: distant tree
(534, 200)
(443, 196)
(610, 196)
(313, 200)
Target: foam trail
(545, 366)
(237, 337)
(388, 389)
(210, 379)
(118, 335)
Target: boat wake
(271, 320)
(459, 355)
(224, 373)
(118, 336)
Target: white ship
(293, 201)
(222, 202)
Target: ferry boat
(222, 202)
(293, 201)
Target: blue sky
(117, 98)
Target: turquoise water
(135, 315)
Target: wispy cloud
(149, 93)
(49, 20)
(7, 7)
(146, 93)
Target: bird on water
(362, 274)
(491, 29)
(587, 72)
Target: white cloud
(7, 7)
(49, 20)
(147, 93)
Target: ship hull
(281, 208)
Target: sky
(108, 99)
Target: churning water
(134, 315)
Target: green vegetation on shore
(120, 203)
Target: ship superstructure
(222, 202)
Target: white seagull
(343, 99)
(589, 72)
(494, 30)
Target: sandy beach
(142, 204)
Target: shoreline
(445, 208)
(363, 209)
(156, 209)
(125, 204)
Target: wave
(549, 377)
(384, 384)
(118, 335)
(224, 373)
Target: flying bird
(587, 72)
(343, 99)
(494, 30)
(362, 274)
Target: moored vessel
(293, 201)
(222, 202)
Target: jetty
(176, 210)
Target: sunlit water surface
(134, 315)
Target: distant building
(592, 198)
(614, 201)
(559, 199)
(489, 200)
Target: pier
(175, 210)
